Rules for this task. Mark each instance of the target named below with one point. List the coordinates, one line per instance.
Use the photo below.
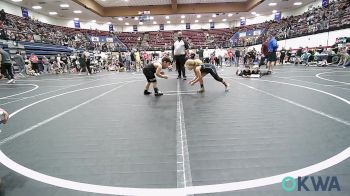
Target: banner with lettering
(25, 12)
(242, 21)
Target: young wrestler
(153, 69)
(4, 116)
(245, 72)
(200, 70)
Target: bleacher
(41, 49)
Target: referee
(179, 49)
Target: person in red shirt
(34, 60)
(264, 52)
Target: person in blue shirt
(272, 48)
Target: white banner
(95, 39)
(243, 34)
(109, 39)
(257, 32)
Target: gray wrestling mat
(76, 135)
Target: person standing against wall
(180, 50)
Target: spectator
(19, 60)
(200, 52)
(206, 55)
(46, 64)
(283, 55)
(238, 56)
(6, 66)
(34, 61)
(272, 48)
(264, 53)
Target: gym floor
(103, 134)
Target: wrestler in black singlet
(210, 69)
(149, 71)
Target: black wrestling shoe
(178, 77)
(201, 90)
(147, 92)
(160, 93)
(185, 78)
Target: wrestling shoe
(146, 92)
(160, 93)
(201, 90)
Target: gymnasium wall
(169, 27)
(324, 39)
(15, 10)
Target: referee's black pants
(180, 65)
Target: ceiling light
(136, 18)
(76, 18)
(183, 16)
(272, 4)
(253, 13)
(210, 20)
(298, 3)
(257, 14)
(230, 15)
(64, 5)
(274, 11)
(182, 21)
(93, 21)
(37, 7)
(77, 11)
(166, 17)
(154, 22)
(120, 19)
(168, 22)
(140, 23)
(53, 13)
(126, 23)
(109, 23)
(17, 0)
(196, 21)
(152, 18)
(242, 18)
(214, 15)
(224, 19)
(198, 16)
